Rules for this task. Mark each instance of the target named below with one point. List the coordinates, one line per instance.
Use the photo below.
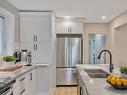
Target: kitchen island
(97, 86)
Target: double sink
(96, 73)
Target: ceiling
(92, 10)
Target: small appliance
(24, 56)
(17, 55)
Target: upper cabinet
(35, 27)
(27, 28)
(43, 29)
(69, 27)
(36, 34)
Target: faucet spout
(111, 67)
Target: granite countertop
(17, 73)
(98, 86)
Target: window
(1, 32)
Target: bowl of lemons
(117, 82)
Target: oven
(8, 90)
(6, 87)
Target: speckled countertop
(98, 86)
(19, 72)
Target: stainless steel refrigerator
(69, 53)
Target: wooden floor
(65, 91)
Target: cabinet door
(43, 53)
(32, 48)
(33, 81)
(43, 29)
(27, 84)
(20, 86)
(62, 27)
(76, 28)
(27, 28)
(43, 78)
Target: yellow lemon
(113, 81)
(119, 82)
(124, 82)
(109, 78)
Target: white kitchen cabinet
(25, 84)
(76, 27)
(41, 44)
(19, 87)
(35, 28)
(33, 79)
(31, 82)
(43, 29)
(27, 29)
(69, 27)
(43, 53)
(36, 35)
(62, 27)
(43, 78)
(81, 89)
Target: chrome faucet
(111, 67)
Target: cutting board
(10, 69)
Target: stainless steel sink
(96, 73)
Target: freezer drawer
(66, 76)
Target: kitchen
(55, 36)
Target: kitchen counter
(19, 72)
(98, 86)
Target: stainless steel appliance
(69, 53)
(26, 56)
(6, 86)
(17, 55)
(23, 55)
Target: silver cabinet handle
(36, 37)
(70, 29)
(22, 79)
(22, 91)
(33, 37)
(31, 76)
(36, 46)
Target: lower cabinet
(43, 78)
(81, 87)
(25, 84)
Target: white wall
(93, 28)
(116, 36)
(10, 8)
(8, 32)
(120, 46)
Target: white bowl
(8, 64)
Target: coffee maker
(17, 55)
(24, 56)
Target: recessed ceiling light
(103, 17)
(67, 17)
